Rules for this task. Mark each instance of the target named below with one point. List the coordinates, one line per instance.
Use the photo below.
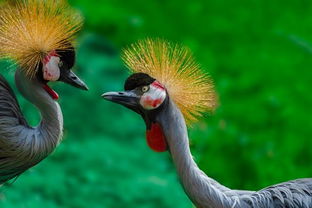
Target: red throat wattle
(156, 138)
(51, 92)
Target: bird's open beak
(69, 77)
(126, 98)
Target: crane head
(38, 36)
(163, 72)
(142, 94)
(56, 67)
(145, 96)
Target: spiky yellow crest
(30, 29)
(174, 66)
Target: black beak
(69, 77)
(126, 98)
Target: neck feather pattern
(205, 192)
(23, 146)
(40, 141)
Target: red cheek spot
(53, 53)
(151, 102)
(48, 57)
(156, 138)
(157, 102)
(158, 85)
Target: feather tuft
(174, 66)
(31, 29)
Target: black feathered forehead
(137, 80)
(68, 56)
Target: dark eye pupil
(145, 89)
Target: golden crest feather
(31, 29)
(174, 66)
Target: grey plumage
(208, 193)
(22, 146)
(37, 36)
(166, 81)
(204, 191)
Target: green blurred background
(259, 54)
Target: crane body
(205, 192)
(188, 92)
(37, 36)
(23, 146)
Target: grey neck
(45, 137)
(202, 190)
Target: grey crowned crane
(37, 35)
(168, 89)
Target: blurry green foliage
(258, 53)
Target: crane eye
(145, 88)
(60, 64)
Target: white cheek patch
(154, 97)
(51, 70)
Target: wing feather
(11, 118)
(291, 194)
(9, 107)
